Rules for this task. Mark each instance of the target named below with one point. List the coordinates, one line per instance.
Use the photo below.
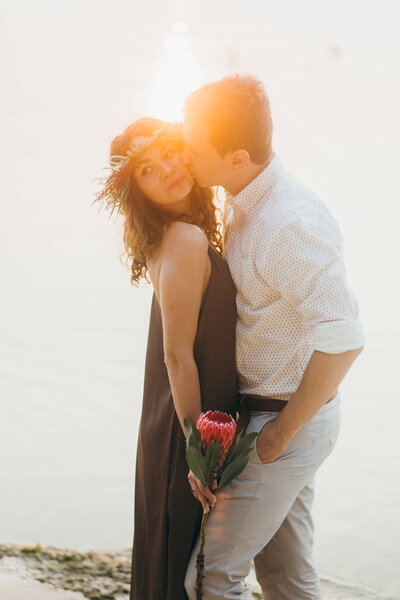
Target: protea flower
(214, 453)
(218, 426)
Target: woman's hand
(202, 492)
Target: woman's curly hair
(145, 222)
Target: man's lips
(176, 183)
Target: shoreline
(15, 586)
(52, 573)
(92, 575)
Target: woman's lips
(176, 183)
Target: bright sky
(76, 73)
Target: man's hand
(272, 441)
(202, 492)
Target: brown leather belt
(265, 403)
(262, 403)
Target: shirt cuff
(335, 337)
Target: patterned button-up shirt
(284, 251)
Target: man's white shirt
(284, 251)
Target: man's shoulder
(292, 204)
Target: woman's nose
(167, 169)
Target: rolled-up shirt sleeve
(304, 264)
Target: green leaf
(244, 444)
(238, 438)
(197, 464)
(195, 438)
(213, 455)
(193, 435)
(189, 427)
(234, 469)
(246, 440)
(233, 447)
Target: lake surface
(73, 330)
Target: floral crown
(117, 184)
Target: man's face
(201, 158)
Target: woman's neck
(182, 206)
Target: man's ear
(239, 159)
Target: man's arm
(304, 263)
(322, 377)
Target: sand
(15, 587)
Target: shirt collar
(248, 197)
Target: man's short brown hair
(237, 112)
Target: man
(298, 334)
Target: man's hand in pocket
(272, 441)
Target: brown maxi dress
(167, 516)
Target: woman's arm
(183, 264)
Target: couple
(256, 319)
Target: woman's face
(163, 178)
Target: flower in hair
(116, 185)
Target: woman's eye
(146, 170)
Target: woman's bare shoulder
(180, 235)
(183, 255)
(184, 250)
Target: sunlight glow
(175, 76)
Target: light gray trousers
(264, 514)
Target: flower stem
(200, 558)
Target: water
(73, 331)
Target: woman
(171, 235)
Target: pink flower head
(219, 426)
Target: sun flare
(175, 76)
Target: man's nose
(185, 156)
